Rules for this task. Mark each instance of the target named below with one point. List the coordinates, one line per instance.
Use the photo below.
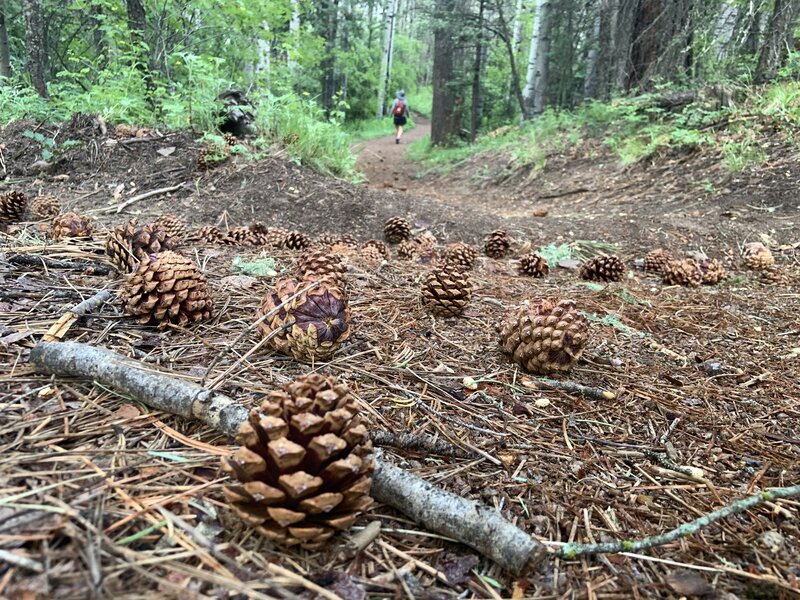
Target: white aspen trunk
(264, 49)
(593, 56)
(388, 24)
(724, 28)
(516, 40)
(294, 34)
(536, 79)
(395, 13)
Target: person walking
(400, 114)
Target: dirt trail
(383, 161)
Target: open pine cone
(45, 207)
(461, 254)
(211, 156)
(603, 268)
(12, 206)
(126, 245)
(545, 337)
(712, 271)
(381, 248)
(319, 263)
(167, 288)
(757, 256)
(497, 244)
(657, 259)
(173, 225)
(208, 234)
(296, 240)
(311, 327)
(682, 272)
(68, 225)
(534, 265)
(304, 468)
(775, 275)
(396, 230)
(447, 290)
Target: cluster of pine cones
(13, 205)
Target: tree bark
(36, 63)
(5, 57)
(477, 68)
(445, 113)
(774, 48)
(512, 43)
(536, 80)
(388, 23)
(329, 63)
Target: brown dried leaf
(127, 411)
(689, 583)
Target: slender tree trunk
(536, 80)
(294, 34)
(773, 50)
(264, 66)
(591, 83)
(475, 117)
(5, 58)
(35, 45)
(388, 25)
(329, 62)
(445, 114)
(724, 27)
(513, 50)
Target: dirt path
(383, 162)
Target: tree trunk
(536, 80)
(591, 84)
(477, 103)
(774, 48)
(445, 114)
(329, 62)
(724, 27)
(5, 58)
(388, 27)
(35, 45)
(294, 34)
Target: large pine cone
(45, 207)
(712, 270)
(757, 256)
(497, 244)
(244, 236)
(657, 259)
(396, 230)
(460, 254)
(546, 337)
(775, 275)
(313, 326)
(296, 240)
(304, 466)
(682, 272)
(167, 288)
(534, 265)
(126, 245)
(209, 234)
(603, 268)
(71, 224)
(173, 225)
(447, 290)
(12, 206)
(319, 263)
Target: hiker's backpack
(399, 109)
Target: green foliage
(740, 154)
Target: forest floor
(102, 497)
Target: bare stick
(687, 529)
(140, 381)
(477, 526)
(150, 194)
(60, 328)
(574, 388)
(418, 443)
(37, 260)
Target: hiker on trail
(400, 114)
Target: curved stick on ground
(60, 328)
(468, 522)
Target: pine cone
(319, 263)
(12, 207)
(173, 225)
(461, 254)
(383, 251)
(775, 275)
(243, 236)
(275, 236)
(757, 256)
(397, 230)
(657, 259)
(348, 240)
(371, 255)
(497, 244)
(212, 156)
(71, 225)
(316, 323)
(296, 240)
(45, 207)
(546, 337)
(682, 272)
(325, 240)
(533, 264)
(230, 140)
(211, 235)
(120, 249)
(447, 290)
(603, 268)
(167, 288)
(712, 271)
(123, 131)
(304, 464)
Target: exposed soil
(701, 377)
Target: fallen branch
(418, 443)
(739, 506)
(573, 388)
(480, 527)
(37, 260)
(145, 195)
(60, 328)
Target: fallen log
(466, 521)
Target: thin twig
(143, 196)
